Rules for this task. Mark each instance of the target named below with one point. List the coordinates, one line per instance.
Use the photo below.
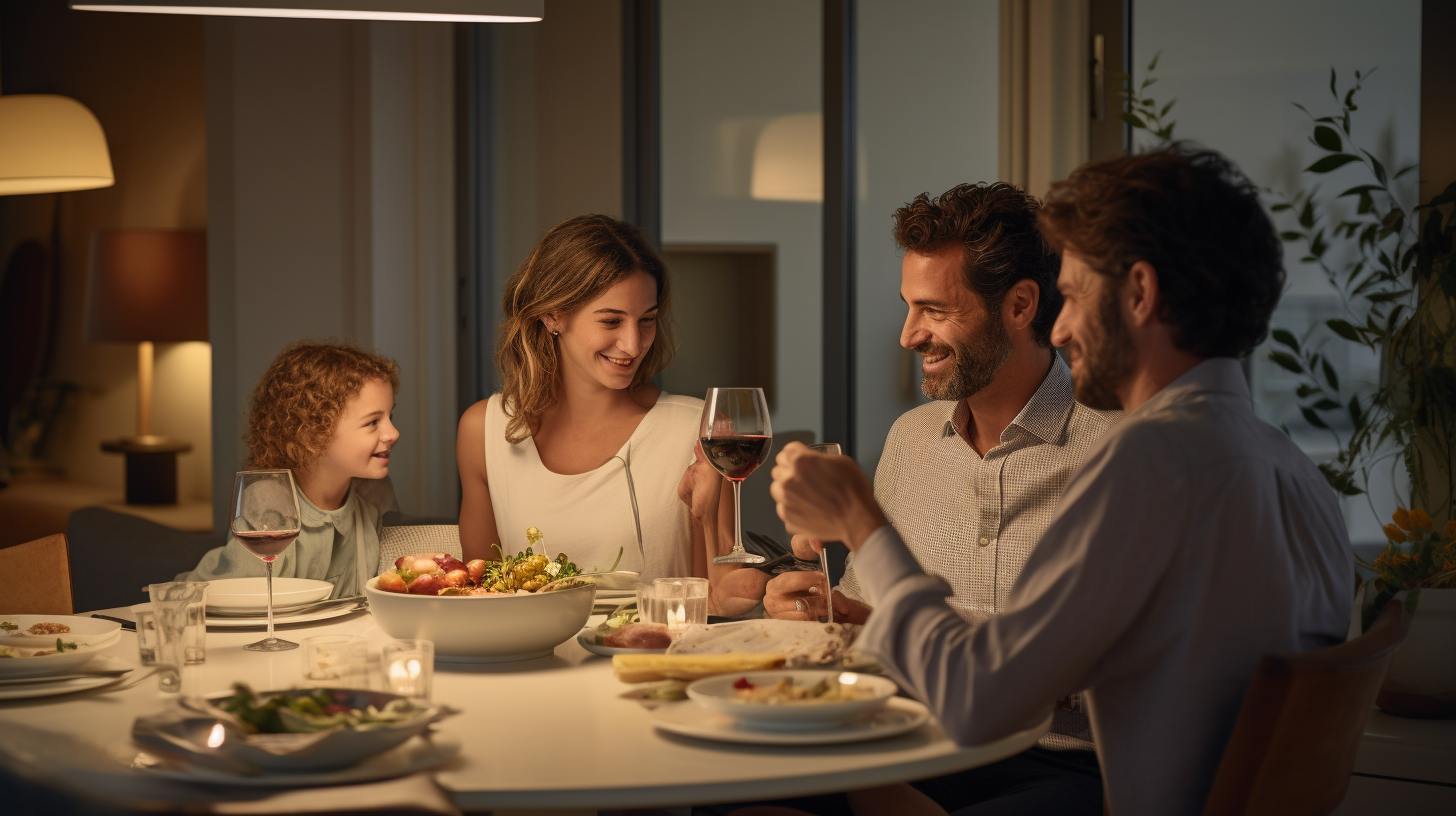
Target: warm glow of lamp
(788, 159)
(437, 11)
(50, 144)
(147, 286)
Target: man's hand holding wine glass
(824, 497)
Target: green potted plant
(1394, 269)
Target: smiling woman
(579, 442)
(322, 410)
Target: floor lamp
(147, 286)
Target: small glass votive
(684, 601)
(409, 668)
(146, 630)
(338, 661)
(651, 603)
(194, 633)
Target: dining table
(554, 734)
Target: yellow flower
(1402, 518)
(1394, 533)
(1451, 529)
(1422, 519)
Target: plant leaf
(1133, 120)
(1326, 404)
(1312, 418)
(1331, 162)
(1344, 329)
(1287, 361)
(1330, 375)
(1327, 138)
(1377, 166)
(1286, 337)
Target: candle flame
(848, 678)
(218, 734)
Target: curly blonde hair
(296, 405)
(573, 263)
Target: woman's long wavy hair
(295, 408)
(573, 263)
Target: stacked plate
(34, 669)
(243, 602)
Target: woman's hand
(800, 596)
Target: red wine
(737, 456)
(266, 544)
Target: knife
(129, 626)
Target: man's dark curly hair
(1192, 215)
(996, 226)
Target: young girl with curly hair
(580, 443)
(322, 410)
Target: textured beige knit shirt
(973, 520)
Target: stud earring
(555, 333)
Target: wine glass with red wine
(736, 438)
(265, 521)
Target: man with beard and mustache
(971, 480)
(1194, 540)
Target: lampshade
(147, 285)
(788, 159)
(50, 144)
(439, 11)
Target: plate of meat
(621, 633)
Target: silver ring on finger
(799, 605)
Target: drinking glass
(340, 661)
(685, 601)
(409, 667)
(736, 437)
(832, 449)
(265, 521)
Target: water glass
(173, 605)
(409, 668)
(339, 661)
(683, 601)
(146, 630)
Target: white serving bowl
(717, 693)
(484, 628)
(243, 595)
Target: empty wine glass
(265, 521)
(736, 437)
(832, 449)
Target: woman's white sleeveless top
(629, 503)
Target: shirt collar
(1044, 416)
(340, 519)
(1215, 375)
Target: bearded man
(972, 479)
(1194, 540)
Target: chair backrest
(115, 555)
(418, 538)
(1293, 746)
(46, 587)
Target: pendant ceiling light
(50, 144)
(437, 11)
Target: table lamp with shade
(147, 286)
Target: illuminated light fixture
(788, 159)
(50, 144)
(429, 11)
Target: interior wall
(142, 75)
(929, 91)
(332, 216)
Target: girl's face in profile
(363, 435)
(606, 339)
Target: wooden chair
(38, 578)
(1293, 745)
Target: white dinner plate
(244, 595)
(418, 753)
(279, 619)
(689, 719)
(25, 691)
(721, 694)
(587, 639)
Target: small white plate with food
(786, 700)
(244, 596)
(622, 633)
(897, 716)
(39, 645)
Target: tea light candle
(409, 667)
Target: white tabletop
(552, 733)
